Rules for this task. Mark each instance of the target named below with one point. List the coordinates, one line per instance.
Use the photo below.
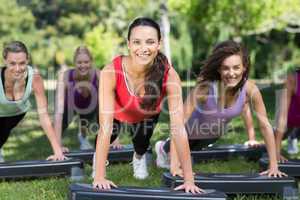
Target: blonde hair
(82, 50)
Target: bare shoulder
(173, 75)
(251, 89)
(107, 75)
(201, 90)
(37, 82)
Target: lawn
(27, 142)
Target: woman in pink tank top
(223, 92)
(288, 122)
(131, 91)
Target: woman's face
(143, 44)
(16, 64)
(232, 70)
(83, 63)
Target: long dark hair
(212, 64)
(154, 78)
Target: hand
(57, 157)
(252, 143)
(281, 158)
(189, 186)
(65, 149)
(116, 144)
(273, 172)
(103, 184)
(176, 171)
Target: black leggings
(7, 124)
(194, 144)
(140, 132)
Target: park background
(52, 29)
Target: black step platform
(220, 152)
(86, 192)
(41, 168)
(239, 183)
(115, 155)
(290, 167)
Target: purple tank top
(74, 98)
(209, 121)
(294, 108)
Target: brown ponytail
(154, 82)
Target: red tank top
(127, 105)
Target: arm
(254, 95)
(248, 121)
(106, 112)
(42, 108)
(178, 132)
(59, 104)
(285, 100)
(188, 108)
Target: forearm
(174, 161)
(58, 127)
(49, 130)
(182, 147)
(270, 144)
(251, 134)
(102, 148)
(278, 139)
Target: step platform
(239, 183)
(223, 152)
(86, 192)
(115, 155)
(290, 167)
(41, 168)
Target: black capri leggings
(7, 124)
(140, 132)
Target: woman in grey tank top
(222, 92)
(17, 82)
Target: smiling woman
(222, 92)
(131, 91)
(17, 81)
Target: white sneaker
(84, 143)
(293, 146)
(162, 158)
(140, 167)
(1, 156)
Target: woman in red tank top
(131, 90)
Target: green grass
(27, 142)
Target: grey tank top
(209, 120)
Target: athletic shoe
(162, 158)
(84, 143)
(292, 146)
(140, 167)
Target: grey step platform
(221, 152)
(86, 192)
(41, 168)
(291, 167)
(239, 183)
(115, 155)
